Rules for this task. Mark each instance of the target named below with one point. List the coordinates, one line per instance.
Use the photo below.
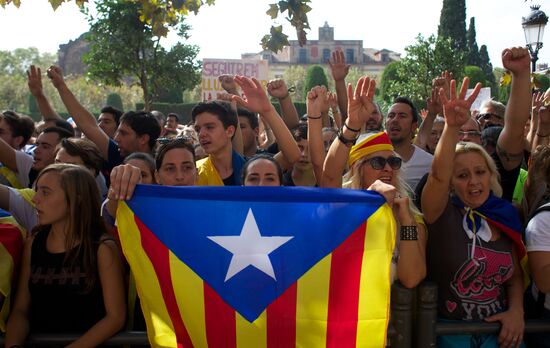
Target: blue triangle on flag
(317, 220)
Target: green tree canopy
(487, 68)
(123, 47)
(315, 76)
(424, 61)
(452, 23)
(476, 75)
(114, 100)
(390, 74)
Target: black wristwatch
(345, 141)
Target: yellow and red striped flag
(12, 237)
(260, 267)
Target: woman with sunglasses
(373, 165)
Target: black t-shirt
(508, 178)
(229, 181)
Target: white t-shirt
(414, 169)
(24, 163)
(537, 235)
(22, 211)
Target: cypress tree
(486, 65)
(452, 23)
(315, 76)
(473, 57)
(487, 68)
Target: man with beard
(401, 124)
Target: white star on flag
(250, 248)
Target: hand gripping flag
(12, 237)
(259, 266)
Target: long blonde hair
(468, 147)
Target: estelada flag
(259, 266)
(12, 237)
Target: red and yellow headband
(369, 143)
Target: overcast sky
(232, 27)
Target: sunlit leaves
(162, 15)
(296, 14)
(275, 40)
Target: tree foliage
(473, 51)
(389, 75)
(452, 23)
(476, 75)
(315, 76)
(123, 47)
(295, 77)
(487, 68)
(162, 15)
(14, 93)
(114, 100)
(424, 61)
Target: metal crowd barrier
(406, 319)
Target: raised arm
(360, 107)
(457, 112)
(511, 141)
(434, 109)
(336, 115)
(314, 129)
(237, 140)
(256, 100)
(540, 122)
(339, 70)
(83, 118)
(34, 81)
(278, 89)
(7, 155)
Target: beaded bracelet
(408, 233)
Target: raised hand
(444, 81)
(254, 97)
(316, 101)
(55, 74)
(277, 89)
(360, 102)
(332, 101)
(434, 103)
(457, 108)
(538, 100)
(34, 81)
(338, 65)
(517, 60)
(228, 84)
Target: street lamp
(533, 27)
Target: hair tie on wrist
(542, 136)
(314, 118)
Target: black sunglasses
(487, 116)
(379, 162)
(179, 138)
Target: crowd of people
(467, 187)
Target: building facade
(369, 60)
